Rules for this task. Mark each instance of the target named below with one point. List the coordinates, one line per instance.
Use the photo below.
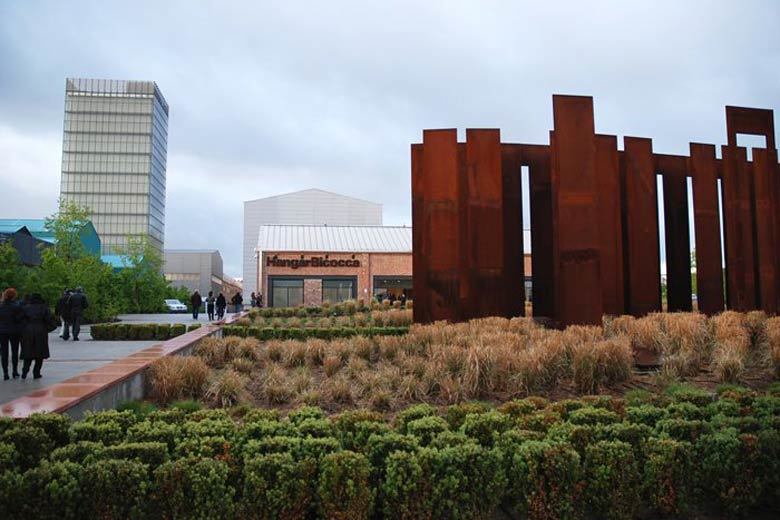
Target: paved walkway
(68, 359)
(166, 318)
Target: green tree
(66, 225)
(12, 272)
(142, 283)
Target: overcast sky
(271, 97)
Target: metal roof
(335, 239)
(313, 190)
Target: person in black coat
(38, 320)
(221, 304)
(62, 309)
(11, 317)
(238, 302)
(196, 302)
(77, 304)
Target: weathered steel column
(537, 158)
(706, 220)
(644, 272)
(514, 252)
(738, 223)
(765, 179)
(576, 242)
(422, 297)
(610, 224)
(485, 224)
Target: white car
(175, 306)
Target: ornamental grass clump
(178, 377)
(228, 389)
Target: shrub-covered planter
(462, 461)
(139, 331)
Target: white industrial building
(311, 207)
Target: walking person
(77, 304)
(253, 300)
(196, 302)
(38, 322)
(238, 302)
(210, 305)
(62, 309)
(11, 318)
(221, 304)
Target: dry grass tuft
(274, 385)
(228, 389)
(773, 343)
(178, 377)
(242, 365)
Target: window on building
(286, 293)
(336, 291)
(393, 288)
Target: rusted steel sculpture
(594, 215)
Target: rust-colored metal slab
(765, 179)
(537, 158)
(674, 169)
(756, 121)
(485, 222)
(442, 228)
(706, 220)
(644, 273)
(422, 299)
(576, 244)
(738, 224)
(610, 224)
(514, 264)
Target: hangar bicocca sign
(314, 261)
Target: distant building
(312, 207)
(199, 269)
(114, 154)
(308, 265)
(37, 229)
(27, 246)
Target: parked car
(175, 306)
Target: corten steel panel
(514, 264)
(757, 121)
(467, 303)
(576, 242)
(677, 238)
(421, 309)
(442, 217)
(765, 178)
(738, 224)
(706, 220)
(485, 223)
(610, 225)
(644, 272)
(537, 158)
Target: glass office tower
(114, 153)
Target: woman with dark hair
(10, 331)
(38, 321)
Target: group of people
(257, 300)
(24, 324)
(213, 305)
(70, 308)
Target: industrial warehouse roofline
(335, 239)
(313, 190)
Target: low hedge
(268, 333)
(139, 331)
(465, 461)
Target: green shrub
(680, 429)
(305, 412)
(686, 410)
(380, 447)
(612, 482)
(727, 407)
(343, 489)
(426, 428)
(633, 434)
(645, 414)
(260, 414)
(466, 481)
(209, 446)
(457, 413)
(51, 491)
(685, 393)
(268, 445)
(77, 452)
(727, 477)
(177, 329)
(120, 332)
(125, 418)
(276, 486)
(521, 407)
(55, 425)
(119, 489)
(543, 479)
(538, 421)
(579, 436)
(30, 442)
(157, 431)
(353, 427)
(193, 488)
(486, 427)
(193, 326)
(593, 416)
(667, 473)
(107, 433)
(264, 428)
(8, 457)
(10, 493)
(152, 454)
(315, 428)
(314, 448)
(406, 491)
(188, 406)
(162, 331)
(139, 408)
(414, 412)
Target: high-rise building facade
(114, 154)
